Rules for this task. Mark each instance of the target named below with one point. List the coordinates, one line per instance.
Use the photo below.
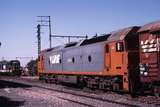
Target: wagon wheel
(156, 91)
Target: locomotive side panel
(53, 61)
(93, 57)
(88, 58)
(72, 59)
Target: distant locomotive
(4, 66)
(112, 61)
(10, 67)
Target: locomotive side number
(55, 59)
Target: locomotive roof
(153, 26)
(102, 38)
(4, 62)
(14, 61)
(122, 33)
(71, 44)
(95, 39)
(50, 49)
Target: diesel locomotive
(11, 67)
(127, 59)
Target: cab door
(40, 64)
(116, 57)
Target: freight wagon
(149, 39)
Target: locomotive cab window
(119, 46)
(107, 48)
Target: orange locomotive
(105, 62)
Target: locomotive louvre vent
(73, 60)
(89, 58)
(81, 56)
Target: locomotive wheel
(115, 87)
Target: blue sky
(69, 17)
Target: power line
(46, 21)
(69, 37)
(24, 57)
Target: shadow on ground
(10, 84)
(6, 102)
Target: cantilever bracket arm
(69, 36)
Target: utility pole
(46, 21)
(39, 38)
(50, 33)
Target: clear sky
(18, 20)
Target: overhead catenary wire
(46, 21)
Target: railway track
(28, 88)
(76, 94)
(86, 96)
